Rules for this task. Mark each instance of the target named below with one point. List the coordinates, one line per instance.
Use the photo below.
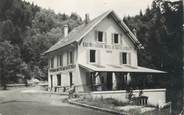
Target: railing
(98, 87)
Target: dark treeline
(26, 31)
(160, 31)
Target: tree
(10, 62)
(160, 32)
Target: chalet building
(100, 57)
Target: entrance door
(59, 79)
(109, 80)
(51, 81)
(71, 78)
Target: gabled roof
(79, 32)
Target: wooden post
(170, 108)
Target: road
(26, 101)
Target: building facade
(99, 55)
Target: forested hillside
(26, 31)
(160, 31)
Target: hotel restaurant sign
(106, 46)
(62, 68)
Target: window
(100, 36)
(92, 56)
(70, 57)
(60, 60)
(52, 62)
(115, 38)
(125, 58)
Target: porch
(115, 81)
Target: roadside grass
(113, 104)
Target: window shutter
(96, 36)
(73, 60)
(121, 39)
(112, 38)
(120, 58)
(50, 62)
(88, 56)
(57, 60)
(129, 58)
(98, 56)
(68, 58)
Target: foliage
(10, 62)
(26, 31)
(160, 31)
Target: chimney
(65, 30)
(135, 32)
(87, 18)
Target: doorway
(51, 81)
(109, 80)
(59, 79)
(71, 78)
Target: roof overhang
(119, 68)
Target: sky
(94, 7)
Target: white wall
(65, 79)
(107, 56)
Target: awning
(118, 68)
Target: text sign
(62, 68)
(106, 46)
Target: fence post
(170, 109)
